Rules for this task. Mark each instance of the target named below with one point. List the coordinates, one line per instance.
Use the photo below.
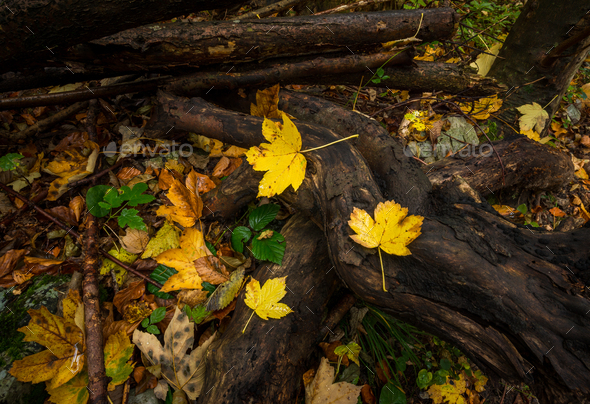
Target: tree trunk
(37, 29)
(500, 292)
(188, 46)
(543, 49)
(265, 363)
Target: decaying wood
(162, 47)
(33, 29)
(500, 292)
(265, 364)
(271, 9)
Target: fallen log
(163, 47)
(26, 39)
(266, 363)
(473, 278)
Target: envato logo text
(442, 150)
(138, 148)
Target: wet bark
(545, 46)
(500, 292)
(266, 363)
(177, 46)
(30, 27)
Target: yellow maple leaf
(192, 247)
(451, 393)
(265, 301)
(533, 117)
(267, 103)
(188, 206)
(482, 108)
(64, 356)
(281, 158)
(74, 391)
(70, 304)
(117, 352)
(531, 134)
(391, 231)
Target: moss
(15, 315)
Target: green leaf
(134, 196)
(158, 315)
(440, 377)
(113, 198)
(380, 72)
(208, 287)
(349, 374)
(145, 322)
(263, 215)
(152, 329)
(226, 292)
(93, 197)
(390, 394)
(105, 205)
(9, 161)
(522, 209)
(376, 81)
(445, 364)
(129, 217)
(199, 313)
(211, 248)
(269, 249)
(239, 236)
(424, 378)
(160, 275)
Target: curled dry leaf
(65, 214)
(40, 265)
(134, 291)
(165, 179)
(77, 204)
(21, 277)
(321, 390)
(126, 173)
(200, 182)
(9, 260)
(192, 297)
(222, 165)
(135, 240)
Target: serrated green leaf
(93, 197)
(263, 215)
(226, 292)
(9, 161)
(239, 236)
(113, 198)
(129, 217)
(390, 394)
(134, 195)
(161, 275)
(152, 329)
(269, 249)
(158, 315)
(199, 313)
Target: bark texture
(30, 27)
(500, 292)
(265, 364)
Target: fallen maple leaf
(200, 182)
(557, 212)
(265, 301)
(135, 240)
(281, 158)
(187, 208)
(391, 231)
(74, 391)
(448, 392)
(64, 356)
(321, 389)
(117, 353)
(531, 134)
(267, 103)
(192, 247)
(482, 108)
(533, 117)
(181, 371)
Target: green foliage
(208, 287)
(391, 394)
(102, 199)
(267, 245)
(496, 17)
(10, 161)
(161, 275)
(197, 313)
(380, 73)
(156, 316)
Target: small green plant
(267, 244)
(351, 350)
(380, 73)
(197, 314)
(527, 215)
(10, 161)
(573, 92)
(149, 322)
(101, 200)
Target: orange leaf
(557, 212)
(77, 205)
(201, 182)
(134, 291)
(188, 206)
(165, 179)
(126, 173)
(9, 260)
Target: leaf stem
(382, 270)
(329, 144)
(248, 321)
